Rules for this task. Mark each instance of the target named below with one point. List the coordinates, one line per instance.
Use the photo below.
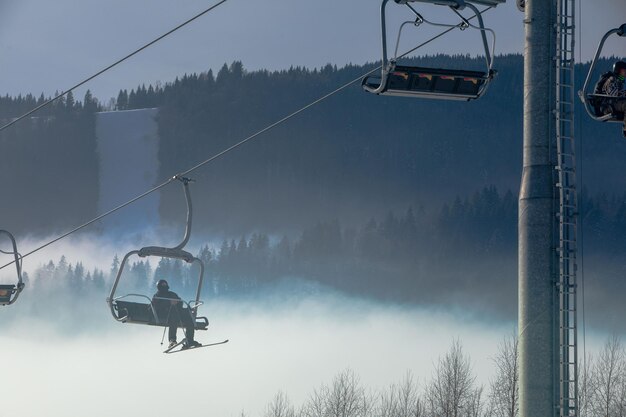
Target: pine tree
(122, 100)
(70, 103)
(115, 266)
(90, 103)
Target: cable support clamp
(183, 179)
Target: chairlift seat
(409, 81)
(142, 313)
(604, 108)
(6, 292)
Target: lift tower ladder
(567, 209)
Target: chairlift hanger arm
(186, 182)
(418, 17)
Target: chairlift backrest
(436, 83)
(10, 292)
(146, 314)
(599, 106)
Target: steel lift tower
(548, 215)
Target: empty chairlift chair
(10, 292)
(434, 83)
(142, 311)
(600, 106)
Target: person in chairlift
(612, 84)
(169, 308)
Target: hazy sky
(48, 46)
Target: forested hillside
(349, 158)
(48, 164)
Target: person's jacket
(613, 86)
(162, 303)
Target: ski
(174, 349)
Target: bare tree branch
(452, 386)
(280, 407)
(608, 376)
(344, 398)
(504, 386)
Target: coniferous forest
(410, 200)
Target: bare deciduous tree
(608, 376)
(452, 387)
(475, 406)
(409, 402)
(401, 400)
(504, 386)
(344, 398)
(280, 407)
(585, 386)
(387, 403)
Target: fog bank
(293, 346)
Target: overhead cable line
(581, 203)
(232, 147)
(119, 61)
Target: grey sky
(48, 46)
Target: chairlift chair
(600, 107)
(143, 311)
(434, 83)
(10, 292)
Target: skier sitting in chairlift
(612, 84)
(169, 308)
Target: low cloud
(293, 346)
